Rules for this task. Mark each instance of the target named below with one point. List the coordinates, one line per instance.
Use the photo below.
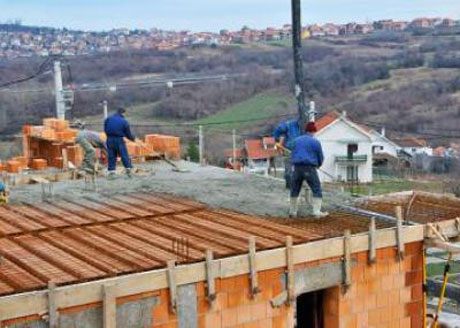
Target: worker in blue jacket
(285, 133)
(306, 157)
(116, 127)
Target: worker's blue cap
(2, 187)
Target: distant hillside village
(17, 40)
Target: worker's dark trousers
(116, 147)
(287, 171)
(306, 173)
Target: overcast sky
(212, 15)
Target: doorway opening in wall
(309, 310)
(352, 173)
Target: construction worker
(285, 133)
(4, 195)
(89, 140)
(116, 127)
(307, 156)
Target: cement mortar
(216, 187)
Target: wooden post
(52, 309)
(399, 232)
(65, 160)
(253, 267)
(347, 259)
(290, 270)
(172, 285)
(372, 244)
(210, 277)
(109, 305)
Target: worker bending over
(116, 127)
(4, 194)
(89, 141)
(307, 157)
(285, 133)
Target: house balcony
(356, 159)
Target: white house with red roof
(347, 148)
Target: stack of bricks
(39, 164)
(388, 293)
(168, 145)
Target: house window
(352, 173)
(351, 149)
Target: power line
(43, 66)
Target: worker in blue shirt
(285, 133)
(116, 127)
(306, 157)
(4, 194)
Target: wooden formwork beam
(347, 259)
(52, 306)
(253, 267)
(210, 277)
(400, 232)
(372, 243)
(172, 285)
(109, 305)
(290, 270)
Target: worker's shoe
(128, 173)
(111, 176)
(316, 204)
(293, 207)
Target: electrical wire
(43, 66)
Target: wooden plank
(172, 285)
(253, 267)
(109, 305)
(210, 277)
(400, 232)
(52, 306)
(347, 259)
(290, 270)
(372, 246)
(21, 305)
(450, 228)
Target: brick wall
(386, 294)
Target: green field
(250, 112)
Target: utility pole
(58, 89)
(106, 111)
(200, 143)
(234, 146)
(298, 66)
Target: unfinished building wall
(387, 293)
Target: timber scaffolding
(67, 253)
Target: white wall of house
(380, 144)
(335, 139)
(418, 150)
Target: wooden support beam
(210, 277)
(399, 232)
(172, 285)
(109, 304)
(372, 242)
(253, 267)
(52, 308)
(290, 270)
(347, 259)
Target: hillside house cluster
(353, 153)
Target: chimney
(383, 132)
